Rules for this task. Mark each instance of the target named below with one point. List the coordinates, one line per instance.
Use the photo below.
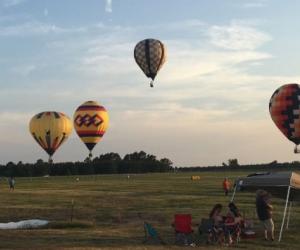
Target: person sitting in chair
(233, 223)
(217, 231)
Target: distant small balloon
(50, 129)
(150, 55)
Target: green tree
(233, 163)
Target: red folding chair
(183, 229)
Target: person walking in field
(264, 211)
(226, 186)
(11, 183)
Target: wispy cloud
(108, 6)
(11, 3)
(32, 28)
(254, 4)
(237, 37)
(24, 70)
(14, 117)
(46, 12)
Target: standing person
(11, 183)
(264, 211)
(226, 186)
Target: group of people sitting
(225, 227)
(218, 228)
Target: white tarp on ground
(24, 224)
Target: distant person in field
(226, 186)
(264, 211)
(11, 183)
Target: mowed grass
(109, 210)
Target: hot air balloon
(150, 55)
(91, 122)
(284, 109)
(50, 129)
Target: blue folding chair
(151, 234)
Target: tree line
(137, 162)
(109, 163)
(233, 165)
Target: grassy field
(106, 210)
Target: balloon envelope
(50, 129)
(91, 121)
(284, 109)
(150, 55)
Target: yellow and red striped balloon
(50, 129)
(91, 122)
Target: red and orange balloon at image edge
(284, 107)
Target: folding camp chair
(235, 232)
(151, 234)
(183, 229)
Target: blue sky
(210, 103)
